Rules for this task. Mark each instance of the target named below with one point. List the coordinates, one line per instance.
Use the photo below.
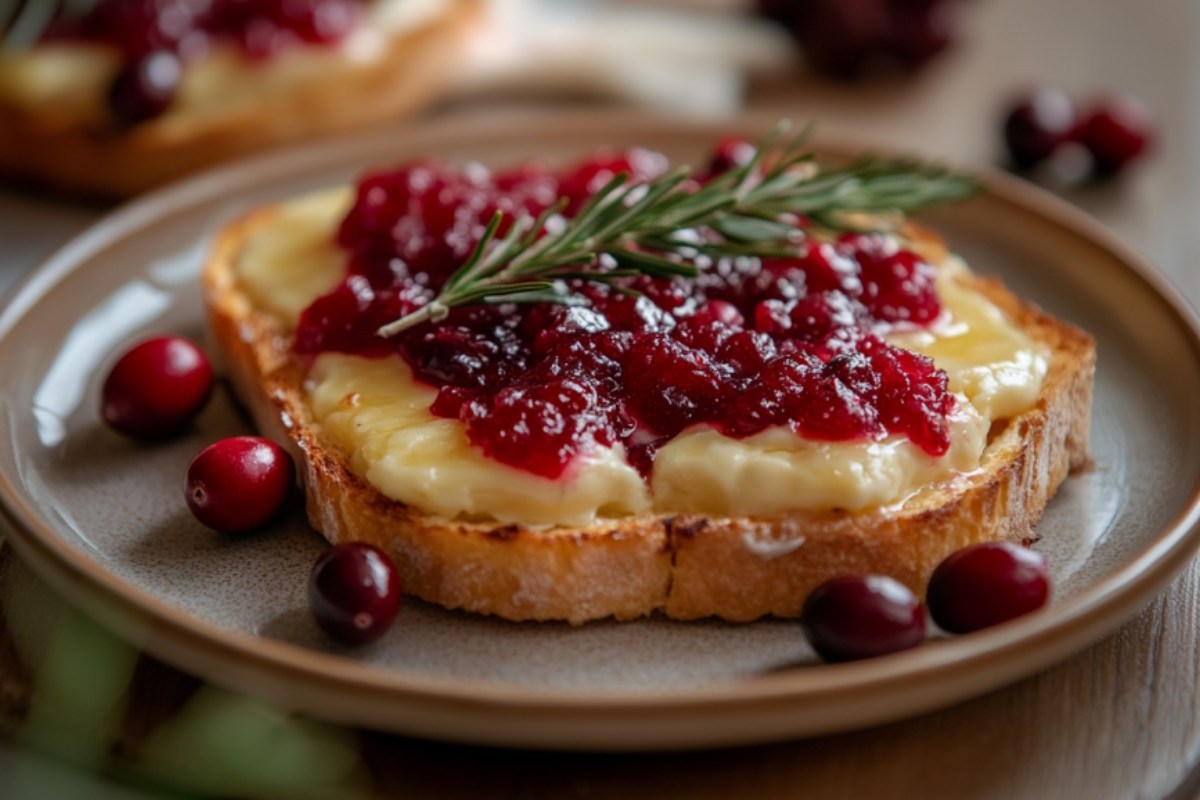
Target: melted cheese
(70, 80)
(375, 411)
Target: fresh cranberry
(845, 37)
(731, 152)
(354, 592)
(987, 584)
(238, 484)
(1037, 124)
(862, 616)
(1117, 132)
(841, 36)
(156, 388)
(920, 30)
(145, 88)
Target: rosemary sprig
(662, 227)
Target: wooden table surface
(1119, 720)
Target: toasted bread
(686, 566)
(47, 148)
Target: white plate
(103, 518)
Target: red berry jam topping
(986, 584)
(748, 345)
(156, 388)
(862, 616)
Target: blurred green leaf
(224, 744)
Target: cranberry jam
(747, 345)
(139, 28)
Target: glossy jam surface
(747, 346)
(190, 27)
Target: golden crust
(686, 566)
(43, 149)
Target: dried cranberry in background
(1041, 129)
(1117, 132)
(1037, 124)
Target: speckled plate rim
(815, 700)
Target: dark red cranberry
(920, 30)
(841, 36)
(238, 484)
(1037, 124)
(987, 584)
(1117, 132)
(156, 388)
(862, 616)
(354, 592)
(844, 37)
(731, 152)
(145, 88)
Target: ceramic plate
(103, 518)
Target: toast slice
(686, 566)
(48, 147)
